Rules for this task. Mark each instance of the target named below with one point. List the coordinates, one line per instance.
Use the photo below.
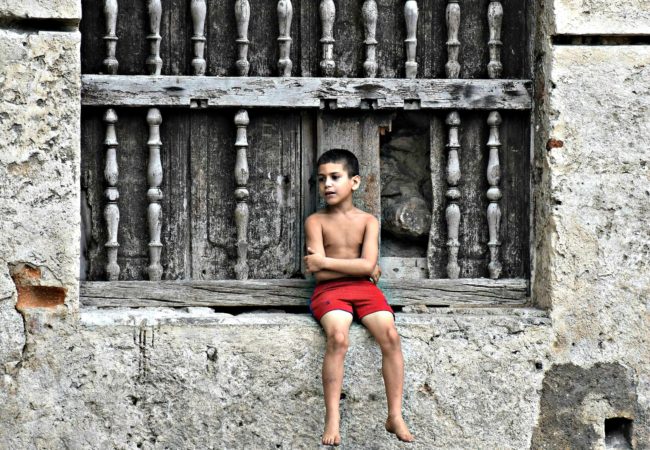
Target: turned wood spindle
(327, 15)
(411, 18)
(154, 62)
(154, 194)
(241, 195)
(198, 10)
(110, 13)
(242, 17)
(111, 211)
(369, 13)
(453, 195)
(285, 14)
(452, 68)
(494, 194)
(495, 17)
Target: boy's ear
(356, 182)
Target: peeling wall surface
(549, 376)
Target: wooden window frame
(381, 95)
(307, 94)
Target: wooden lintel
(296, 92)
(278, 293)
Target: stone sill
(197, 316)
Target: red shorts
(354, 295)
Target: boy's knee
(337, 341)
(391, 338)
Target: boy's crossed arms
(347, 262)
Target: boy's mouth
(328, 193)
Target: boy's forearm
(357, 267)
(326, 275)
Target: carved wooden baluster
(494, 194)
(242, 16)
(111, 211)
(369, 12)
(285, 14)
(198, 10)
(110, 13)
(495, 17)
(453, 195)
(411, 18)
(452, 68)
(327, 15)
(241, 195)
(154, 194)
(154, 62)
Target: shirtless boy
(342, 247)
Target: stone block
(172, 379)
(594, 244)
(40, 155)
(620, 17)
(600, 103)
(41, 9)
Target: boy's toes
(331, 439)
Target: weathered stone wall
(592, 206)
(199, 379)
(541, 378)
(39, 176)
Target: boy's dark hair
(342, 156)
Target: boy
(342, 247)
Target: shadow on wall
(593, 407)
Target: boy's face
(334, 183)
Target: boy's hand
(376, 274)
(314, 261)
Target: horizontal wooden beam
(295, 92)
(277, 293)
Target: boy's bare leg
(382, 326)
(337, 327)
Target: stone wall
(148, 378)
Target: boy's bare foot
(331, 434)
(397, 426)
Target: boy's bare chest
(343, 236)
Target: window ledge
(99, 317)
(296, 293)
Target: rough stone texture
(574, 399)
(39, 173)
(199, 379)
(39, 161)
(41, 9)
(593, 202)
(602, 17)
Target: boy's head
(345, 157)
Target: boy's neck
(344, 207)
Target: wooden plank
(436, 248)
(309, 186)
(175, 202)
(358, 133)
(353, 93)
(274, 293)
